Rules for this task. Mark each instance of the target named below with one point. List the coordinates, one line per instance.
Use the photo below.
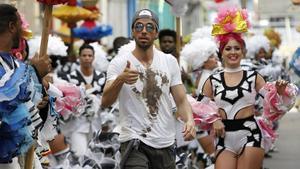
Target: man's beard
(16, 41)
(143, 46)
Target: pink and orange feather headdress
(230, 20)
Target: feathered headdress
(203, 32)
(198, 51)
(26, 32)
(100, 62)
(55, 46)
(255, 43)
(273, 36)
(230, 20)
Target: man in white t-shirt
(142, 81)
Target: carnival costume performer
(201, 55)
(69, 99)
(82, 128)
(239, 137)
(257, 49)
(275, 42)
(16, 82)
(20, 88)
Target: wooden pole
(178, 37)
(72, 55)
(43, 51)
(46, 30)
(244, 4)
(29, 158)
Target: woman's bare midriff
(243, 113)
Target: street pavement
(288, 144)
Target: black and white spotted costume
(80, 129)
(231, 99)
(97, 83)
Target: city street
(96, 84)
(288, 144)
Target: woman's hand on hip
(219, 129)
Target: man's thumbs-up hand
(129, 76)
(128, 64)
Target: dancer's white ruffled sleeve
(205, 112)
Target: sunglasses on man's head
(139, 27)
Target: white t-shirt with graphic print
(145, 107)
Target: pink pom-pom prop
(204, 112)
(71, 102)
(268, 134)
(275, 106)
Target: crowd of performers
(238, 91)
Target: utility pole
(244, 4)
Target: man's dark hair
(167, 32)
(86, 46)
(8, 14)
(118, 42)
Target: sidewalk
(288, 144)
